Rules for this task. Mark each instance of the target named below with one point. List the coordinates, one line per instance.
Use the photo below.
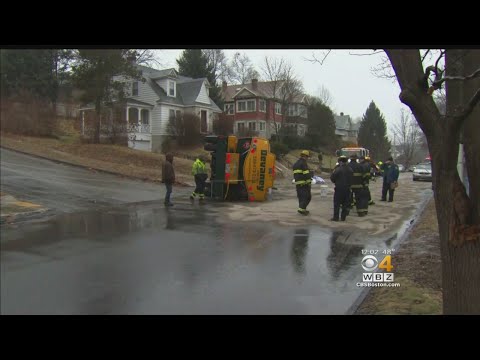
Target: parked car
(422, 172)
(401, 168)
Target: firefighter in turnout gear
(342, 178)
(358, 186)
(303, 182)
(200, 175)
(367, 167)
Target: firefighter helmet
(305, 153)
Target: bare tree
(457, 211)
(147, 57)
(241, 70)
(408, 133)
(325, 96)
(285, 88)
(458, 206)
(291, 93)
(218, 63)
(441, 101)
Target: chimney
(132, 59)
(341, 114)
(254, 84)
(224, 86)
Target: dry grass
(111, 158)
(417, 269)
(409, 299)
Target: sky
(347, 77)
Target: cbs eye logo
(370, 263)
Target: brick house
(256, 110)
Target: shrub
(279, 149)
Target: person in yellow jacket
(200, 175)
(302, 176)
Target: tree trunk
(460, 243)
(457, 214)
(98, 109)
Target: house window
(171, 88)
(171, 114)
(133, 116)
(293, 110)
(240, 127)
(135, 88)
(246, 106)
(278, 108)
(251, 126)
(262, 126)
(145, 117)
(178, 114)
(302, 111)
(262, 106)
(229, 109)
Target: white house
(162, 95)
(346, 129)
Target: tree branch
(439, 57)
(469, 108)
(425, 55)
(373, 53)
(315, 60)
(456, 78)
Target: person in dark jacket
(320, 161)
(342, 178)
(358, 186)
(303, 181)
(390, 179)
(367, 175)
(168, 177)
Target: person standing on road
(390, 179)
(320, 161)
(303, 180)
(358, 187)
(367, 167)
(342, 178)
(168, 177)
(200, 175)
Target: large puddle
(145, 259)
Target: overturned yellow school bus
(241, 168)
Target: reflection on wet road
(145, 259)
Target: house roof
(189, 90)
(343, 122)
(156, 74)
(138, 102)
(264, 89)
(355, 126)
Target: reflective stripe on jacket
(198, 167)
(301, 173)
(357, 180)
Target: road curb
(89, 167)
(412, 222)
(22, 216)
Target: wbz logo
(377, 277)
(371, 263)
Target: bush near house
(223, 125)
(113, 126)
(185, 129)
(27, 115)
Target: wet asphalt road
(145, 259)
(65, 188)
